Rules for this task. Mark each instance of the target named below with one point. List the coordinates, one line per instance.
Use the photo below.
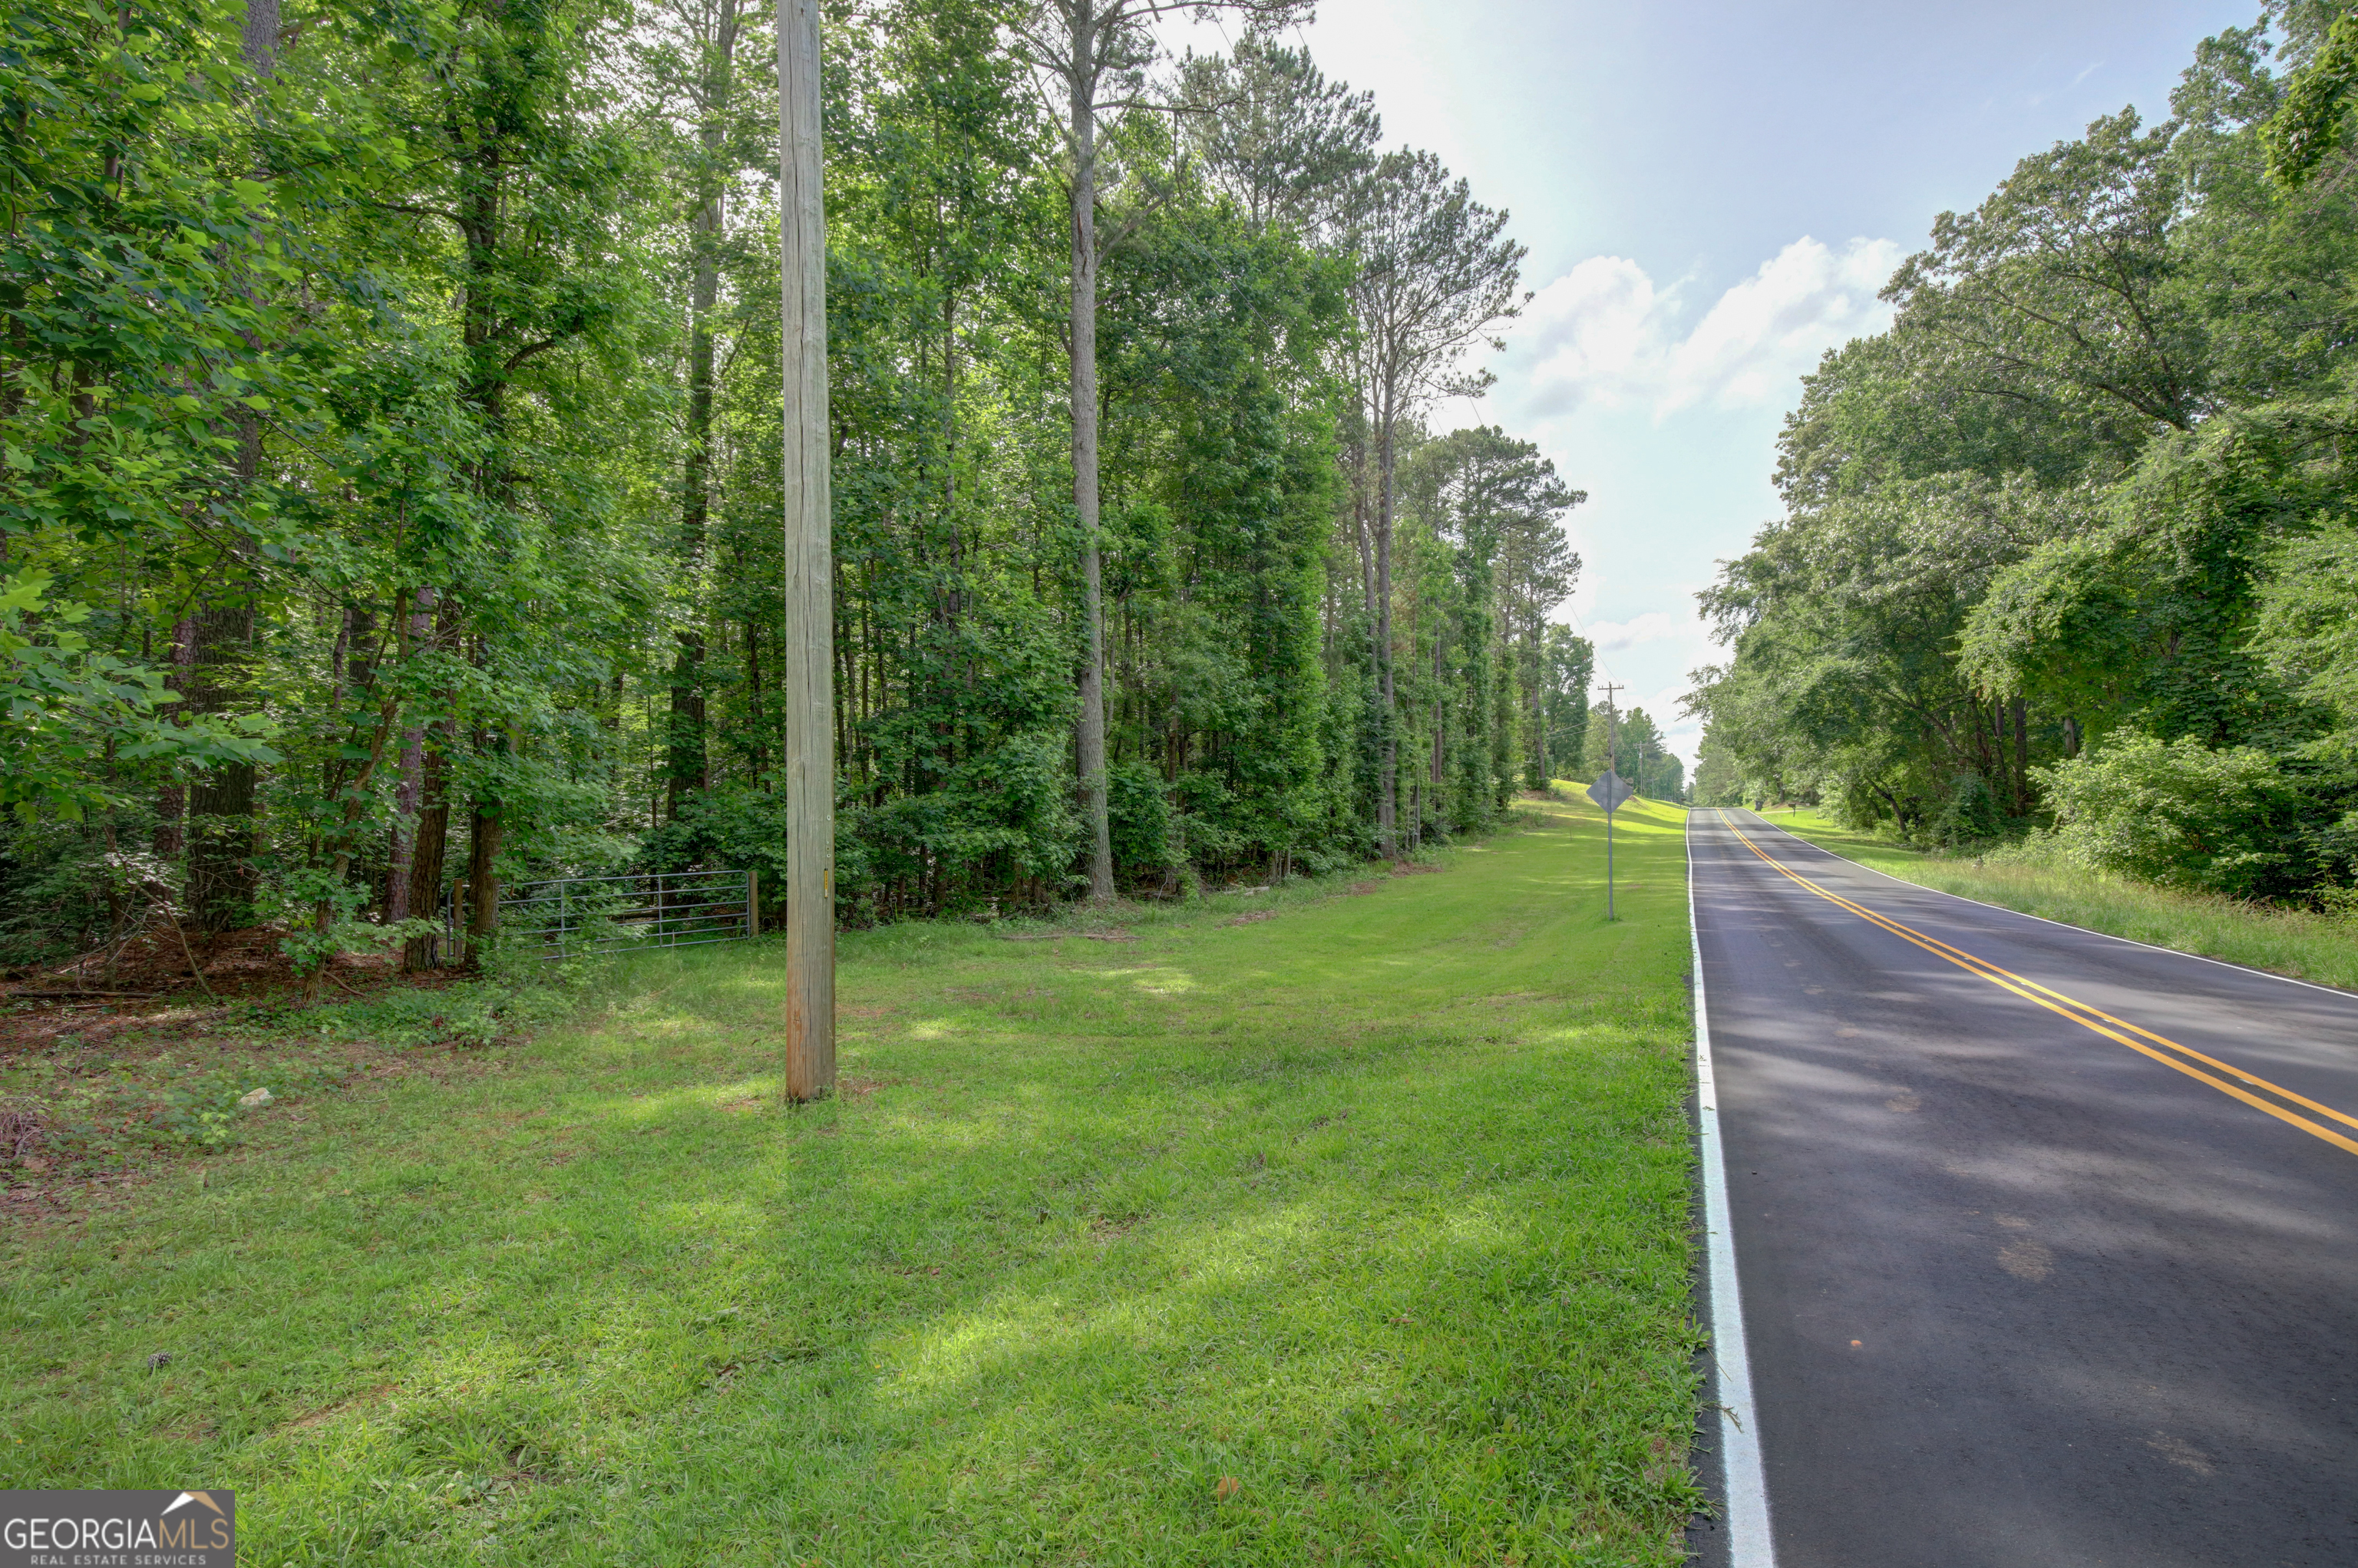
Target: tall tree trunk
(1092, 736)
(427, 863)
(432, 846)
(1535, 676)
(1388, 787)
(1437, 760)
(260, 36)
(221, 801)
(409, 786)
(760, 751)
(171, 796)
(686, 768)
(2021, 758)
(689, 768)
(486, 825)
(221, 798)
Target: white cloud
(1603, 334)
(1610, 636)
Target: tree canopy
(2080, 514)
(391, 499)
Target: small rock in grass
(254, 1099)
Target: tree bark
(1535, 675)
(1083, 326)
(2021, 758)
(1388, 787)
(690, 760)
(221, 802)
(486, 825)
(409, 786)
(425, 863)
(171, 796)
(221, 798)
(259, 37)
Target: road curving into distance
(2046, 1241)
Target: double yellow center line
(2220, 1076)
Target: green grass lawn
(1326, 1226)
(2305, 946)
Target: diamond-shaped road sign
(1611, 790)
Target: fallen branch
(172, 915)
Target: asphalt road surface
(2020, 1288)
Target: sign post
(1610, 792)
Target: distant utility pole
(810, 566)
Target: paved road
(2016, 1293)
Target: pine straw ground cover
(2304, 944)
(1354, 1233)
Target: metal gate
(644, 909)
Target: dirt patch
(1251, 917)
(326, 1413)
(1111, 936)
(103, 1101)
(230, 964)
(31, 1203)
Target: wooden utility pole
(809, 679)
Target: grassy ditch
(2304, 944)
(1336, 1224)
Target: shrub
(1971, 814)
(2180, 814)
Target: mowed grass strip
(2302, 943)
(1356, 1232)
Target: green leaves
(2313, 123)
(68, 708)
(2180, 814)
(2094, 481)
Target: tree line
(2070, 545)
(390, 498)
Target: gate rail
(637, 909)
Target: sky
(1712, 194)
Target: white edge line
(1748, 1541)
(2083, 930)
